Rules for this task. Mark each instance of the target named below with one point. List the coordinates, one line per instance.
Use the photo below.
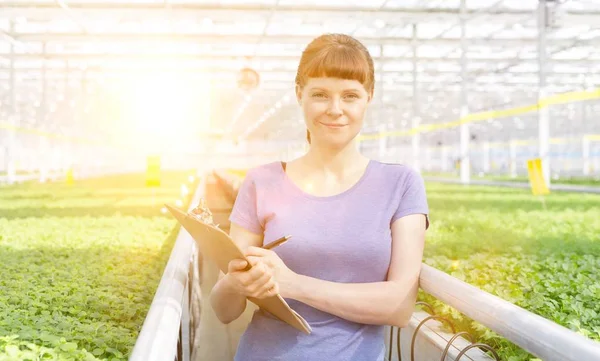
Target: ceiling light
(379, 24)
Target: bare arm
(225, 300)
(390, 302)
(382, 303)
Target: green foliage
(80, 265)
(502, 241)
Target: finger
(237, 280)
(262, 295)
(258, 271)
(266, 285)
(258, 286)
(254, 260)
(269, 291)
(257, 251)
(249, 277)
(236, 265)
(265, 281)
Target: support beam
(445, 162)
(446, 13)
(43, 159)
(76, 19)
(465, 160)
(43, 108)
(416, 120)
(512, 163)
(243, 38)
(587, 165)
(285, 64)
(382, 152)
(486, 157)
(11, 146)
(135, 53)
(66, 74)
(381, 111)
(543, 113)
(216, 11)
(523, 83)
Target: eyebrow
(346, 90)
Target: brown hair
(338, 56)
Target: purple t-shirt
(341, 238)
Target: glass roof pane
(403, 3)
(520, 4)
(231, 2)
(222, 36)
(331, 3)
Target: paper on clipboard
(218, 246)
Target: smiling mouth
(333, 125)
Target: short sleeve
(413, 198)
(245, 210)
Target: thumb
(237, 265)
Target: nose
(334, 108)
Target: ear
(370, 96)
(299, 94)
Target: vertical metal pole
(382, 113)
(66, 79)
(585, 114)
(70, 149)
(42, 111)
(44, 96)
(465, 161)
(513, 159)
(586, 156)
(416, 120)
(11, 147)
(444, 158)
(66, 97)
(543, 112)
(486, 157)
(382, 153)
(427, 150)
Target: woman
(357, 225)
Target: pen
(277, 242)
(271, 246)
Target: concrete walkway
(217, 341)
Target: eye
(351, 96)
(318, 95)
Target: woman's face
(333, 109)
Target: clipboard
(216, 244)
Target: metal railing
(535, 334)
(166, 334)
(169, 330)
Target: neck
(335, 160)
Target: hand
(283, 277)
(258, 282)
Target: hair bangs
(340, 62)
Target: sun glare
(161, 105)
(168, 109)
